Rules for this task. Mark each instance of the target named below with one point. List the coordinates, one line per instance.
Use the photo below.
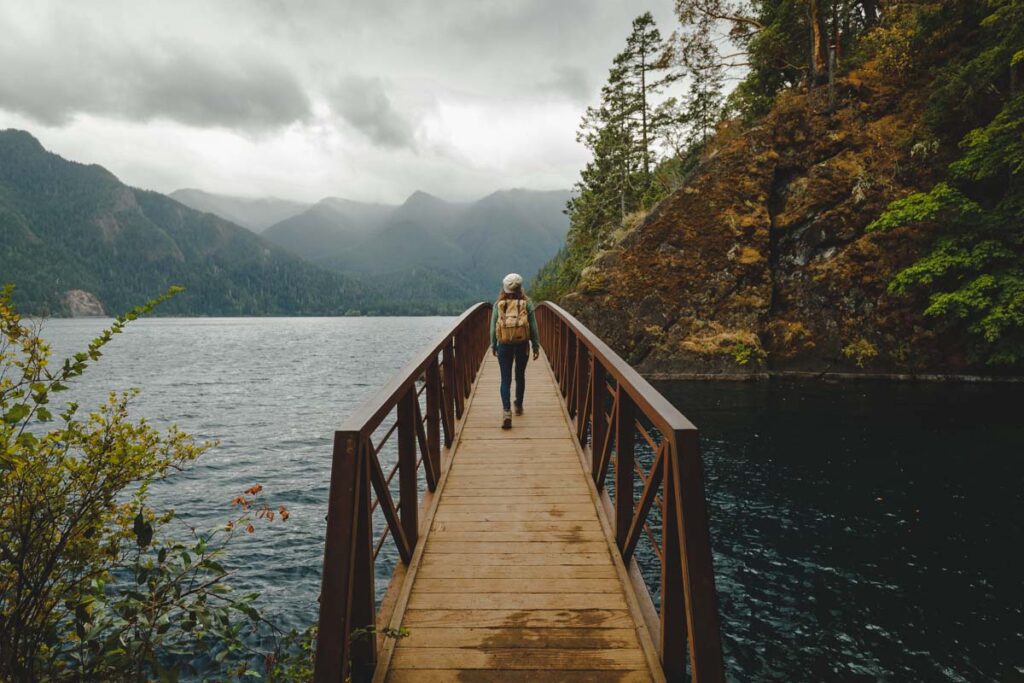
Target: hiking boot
(506, 421)
(519, 409)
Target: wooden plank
(437, 547)
(430, 585)
(518, 637)
(491, 536)
(517, 658)
(523, 559)
(462, 497)
(537, 448)
(514, 484)
(532, 572)
(540, 433)
(524, 601)
(524, 676)
(454, 515)
(543, 506)
(499, 467)
(506, 618)
(520, 461)
(558, 525)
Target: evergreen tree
(704, 100)
(644, 65)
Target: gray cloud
(364, 104)
(457, 97)
(92, 72)
(572, 82)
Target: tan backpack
(513, 321)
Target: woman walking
(513, 331)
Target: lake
(862, 530)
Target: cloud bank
(369, 100)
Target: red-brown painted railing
(445, 371)
(591, 376)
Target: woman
(513, 330)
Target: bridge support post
(598, 417)
(625, 436)
(346, 593)
(408, 504)
(580, 394)
(434, 417)
(691, 522)
(673, 602)
(448, 361)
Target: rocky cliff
(760, 261)
(82, 304)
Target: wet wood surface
(517, 580)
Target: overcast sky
(369, 100)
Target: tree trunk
(819, 41)
(643, 112)
(870, 11)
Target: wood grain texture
(517, 581)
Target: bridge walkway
(519, 579)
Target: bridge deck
(518, 580)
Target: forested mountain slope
(66, 226)
(874, 225)
(429, 248)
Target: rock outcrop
(82, 304)
(760, 261)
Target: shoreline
(830, 376)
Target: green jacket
(534, 338)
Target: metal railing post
(673, 601)
(433, 379)
(580, 395)
(598, 417)
(448, 360)
(695, 552)
(625, 432)
(346, 597)
(408, 504)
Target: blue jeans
(507, 355)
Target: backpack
(513, 321)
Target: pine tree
(644, 65)
(705, 99)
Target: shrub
(89, 587)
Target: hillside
(465, 247)
(255, 213)
(328, 228)
(877, 233)
(67, 226)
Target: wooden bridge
(516, 553)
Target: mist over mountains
(255, 213)
(428, 249)
(68, 228)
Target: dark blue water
(865, 531)
(862, 531)
(272, 391)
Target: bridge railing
(445, 372)
(613, 409)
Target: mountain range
(68, 230)
(255, 213)
(426, 249)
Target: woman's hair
(518, 294)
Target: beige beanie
(513, 282)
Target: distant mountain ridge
(68, 226)
(468, 246)
(255, 213)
